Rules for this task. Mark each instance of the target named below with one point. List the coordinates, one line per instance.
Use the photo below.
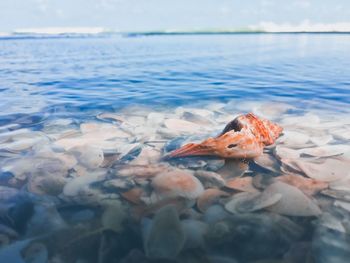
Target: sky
(145, 15)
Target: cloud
(302, 4)
(304, 26)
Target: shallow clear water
(83, 121)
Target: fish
(243, 138)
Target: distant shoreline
(17, 35)
(227, 33)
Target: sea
(85, 121)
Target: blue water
(74, 79)
(74, 75)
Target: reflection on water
(85, 123)
(99, 191)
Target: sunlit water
(85, 122)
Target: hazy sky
(133, 15)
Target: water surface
(85, 122)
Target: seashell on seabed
(210, 179)
(177, 183)
(293, 202)
(324, 170)
(325, 151)
(209, 197)
(244, 184)
(321, 140)
(182, 126)
(294, 139)
(46, 184)
(249, 202)
(307, 120)
(268, 162)
(307, 185)
(89, 156)
(164, 236)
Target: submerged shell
(209, 197)
(268, 162)
(182, 126)
(177, 183)
(244, 184)
(142, 171)
(89, 156)
(210, 179)
(250, 202)
(306, 185)
(294, 139)
(165, 237)
(328, 170)
(325, 151)
(293, 202)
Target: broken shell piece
(133, 195)
(293, 202)
(343, 205)
(209, 179)
(209, 197)
(244, 184)
(155, 118)
(142, 171)
(182, 126)
(22, 144)
(341, 185)
(321, 140)
(268, 162)
(177, 183)
(261, 181)
(328, 170)
(250, 202)
(164, 237)
(89, 156)
(307, 120)
(325, 151)
(307, 185)
(337, 194)
(46, 184)
(110, 116)
(189, 116)
(77, 185)
(233, 168)
(282, 152)
(147, 156)
(294, 139)
(342, 133)
(119, 183)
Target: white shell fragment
(293, 201)
(328, 170)
(249, 202)
(89, 156)
(182, 126)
